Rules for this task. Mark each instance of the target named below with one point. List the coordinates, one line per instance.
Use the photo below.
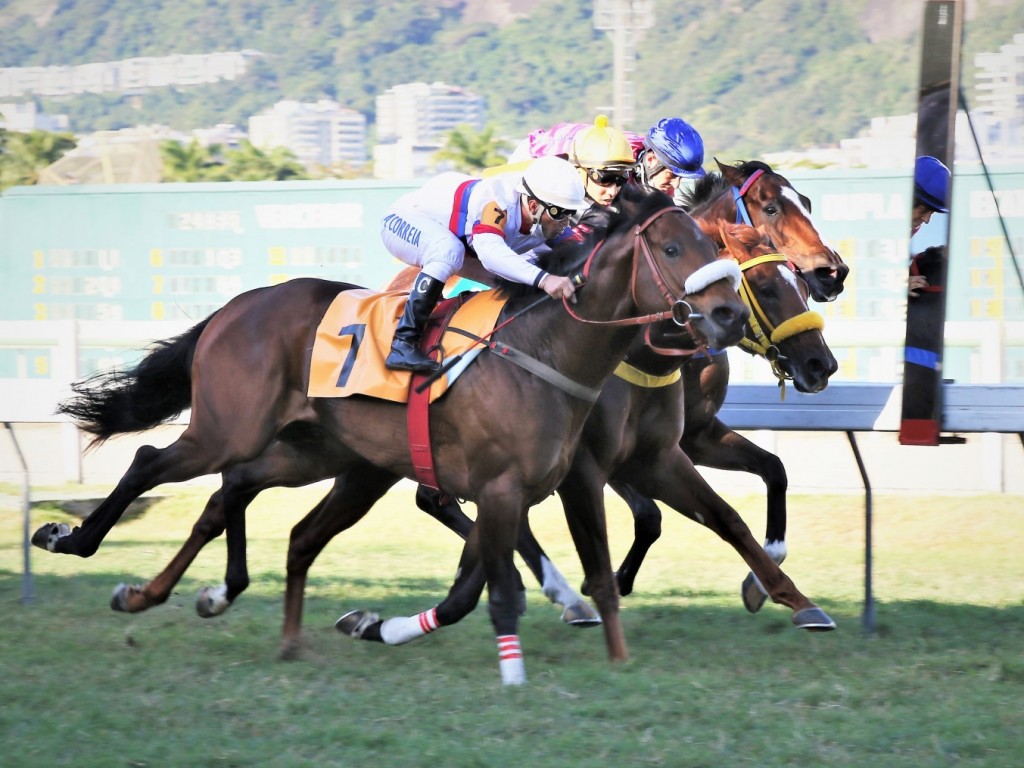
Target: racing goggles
(607, 178)
(556, 212)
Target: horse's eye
(771, 209)
(671, 251)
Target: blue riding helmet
(677, 146)
(931, 183)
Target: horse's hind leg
(646, 531)
(462, 598)
(136, 598)
(184, 459)
(354, 493)
(556, 588)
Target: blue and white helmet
(677, 146)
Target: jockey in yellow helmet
(605, 159)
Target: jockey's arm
(498, 258)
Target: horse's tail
(155, 390)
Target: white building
(320, 134)
(421, 114)
(25, 116)
(999, 82)
(227, 135)
(412, 122)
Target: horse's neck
(586, 352)
(651, 359)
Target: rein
(679, 310)
(767, 336)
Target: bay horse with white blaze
(503, 438)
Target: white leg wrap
(776, 551)
(555, 586)
(510, 660)
(402, 629)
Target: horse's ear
(731, 244)
(730, 173)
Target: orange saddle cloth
(354, 338)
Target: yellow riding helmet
(602, 147)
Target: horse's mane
(711, 185)
(633, 205)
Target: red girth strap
(417, 411)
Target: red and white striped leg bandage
(402, 629)
(510, 660)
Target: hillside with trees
(753, 76)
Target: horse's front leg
(582, 495)
(675, 481)
(499, 511)
(719, 447)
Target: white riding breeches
(413, 237)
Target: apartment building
(323, 133)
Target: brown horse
(633, 436)
(753, 193)
(503, 438)
(775, 205)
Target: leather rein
(679, 309)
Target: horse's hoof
(814, 620)
(212, 601)
(47, 536)
(355, 623)
(119, 597)
(753, 593)
(581, 615)
(291, 650)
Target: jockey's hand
(915, 284)
(559, 287)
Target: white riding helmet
(554, 181)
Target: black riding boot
(405, 354)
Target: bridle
(766, 335)
(679, 310)
(738, 193)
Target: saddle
(353, 339)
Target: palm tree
(250, 163)
(469, 151)
(24, 155)
(188, 162)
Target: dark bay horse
(633, 436)
(752, 192)
(776, 207)
(504, 438)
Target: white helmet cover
(554, 181)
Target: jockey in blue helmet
(931, 190)
(673, 150)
